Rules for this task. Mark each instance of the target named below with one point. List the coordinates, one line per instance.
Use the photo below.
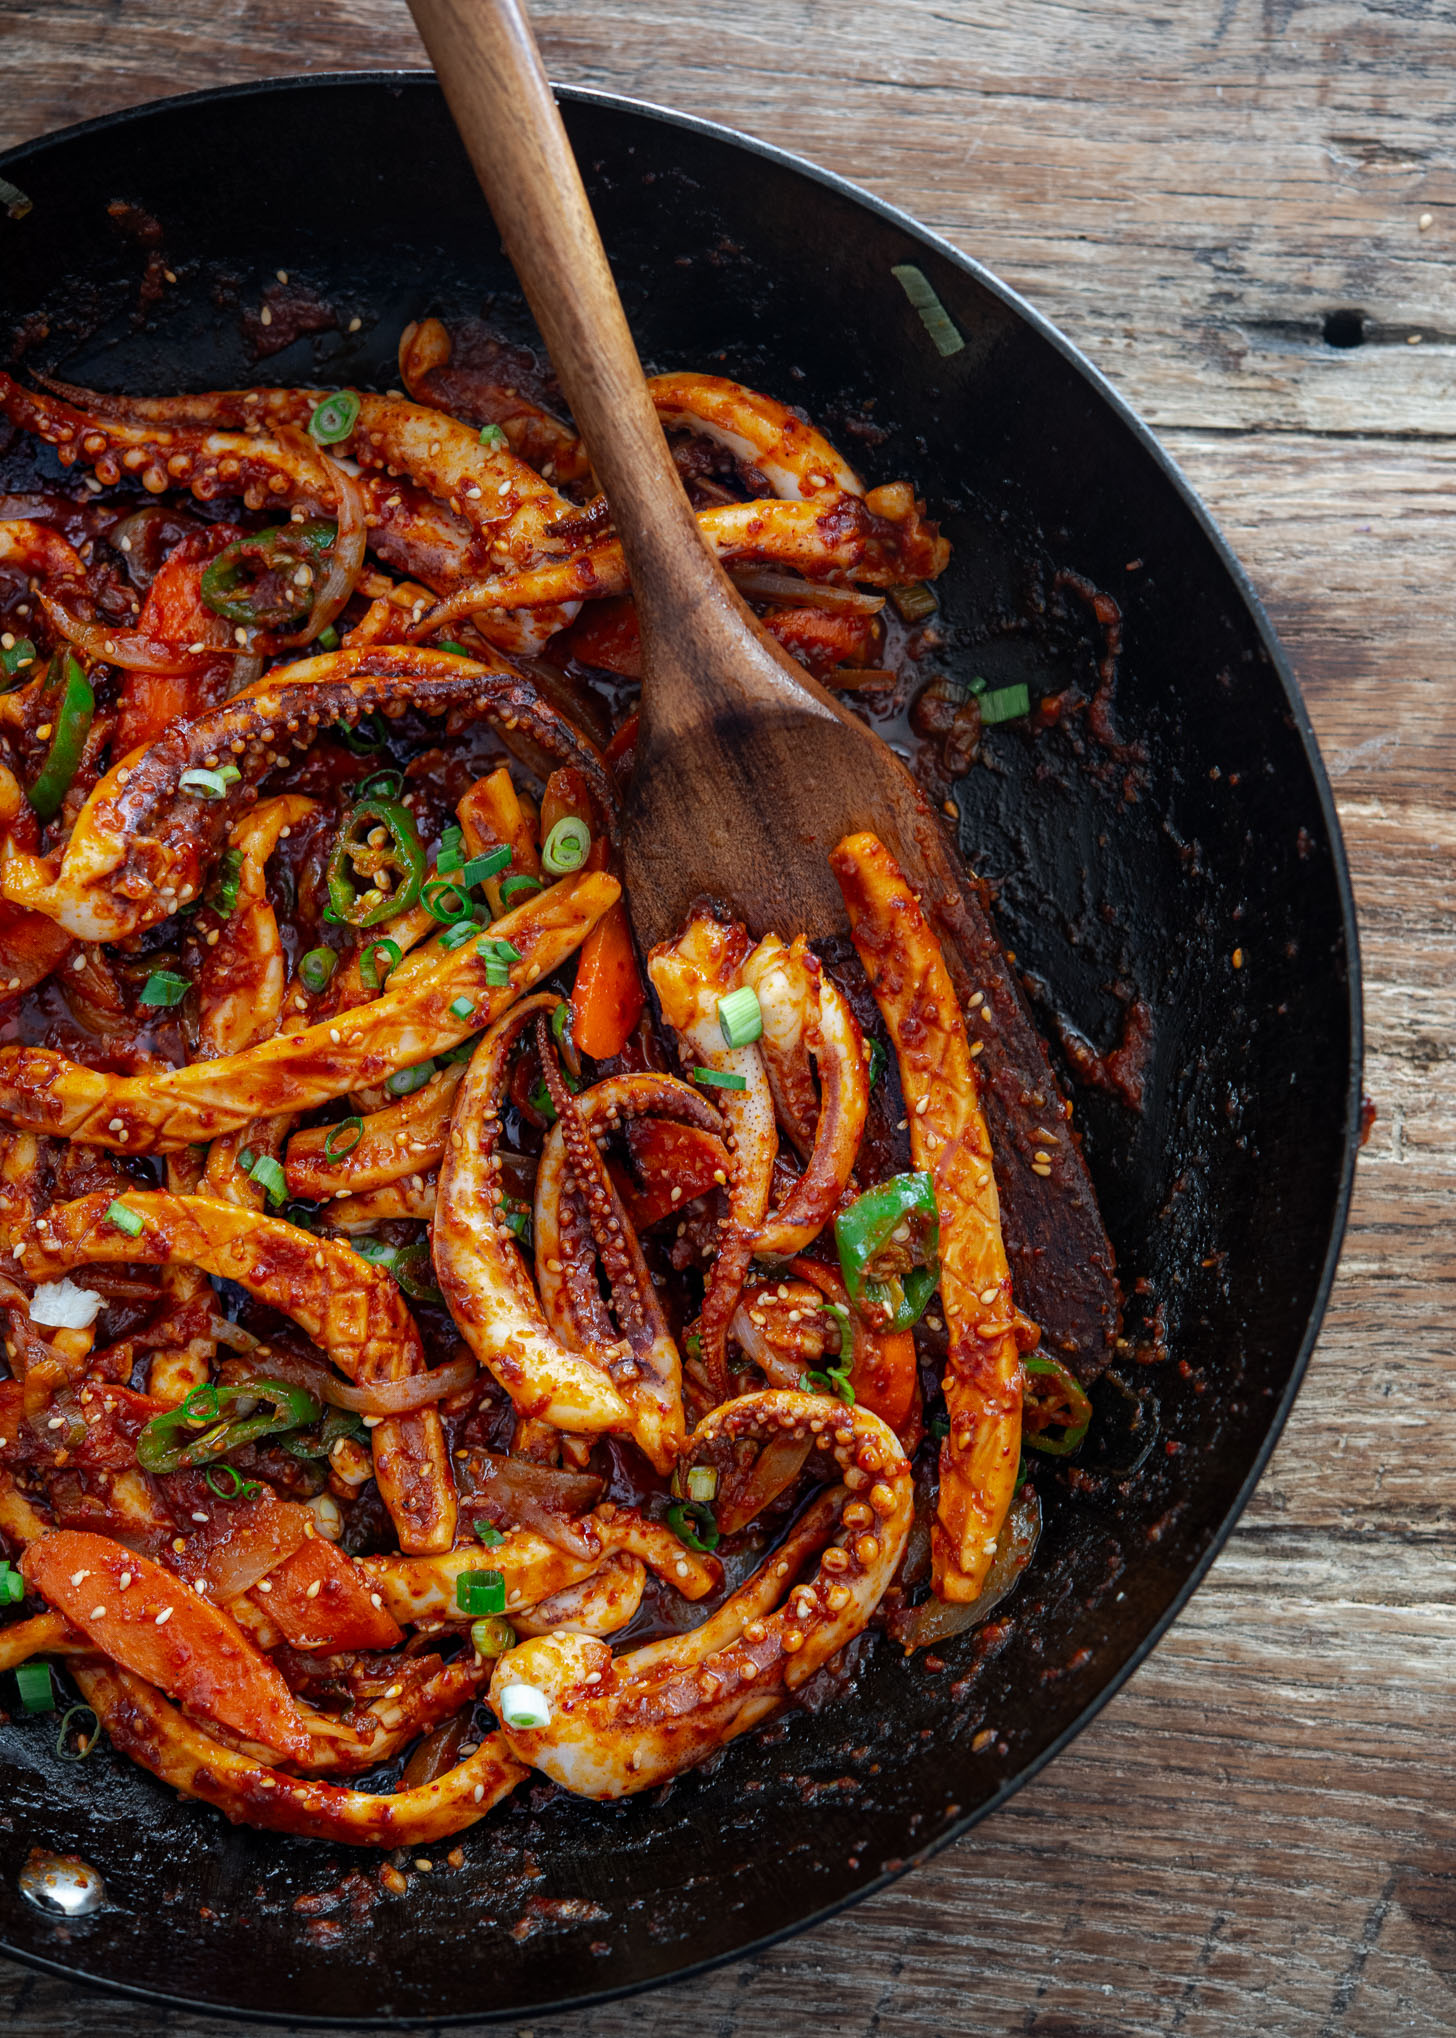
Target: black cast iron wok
(1225, 1194)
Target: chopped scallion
(74, 1720)
(740, 1017)
(343, 1138)
(33, 1681)
(478, 1592)
(12, 1586)
(327, 638)
(377, 960)
(210, 785)
(494, 437)
(335, 417)
(702, 1483)
(1005, 703)
(404, 1082)
(489, 863)
(456, 936)
(517, 886)
(317, 967)
(266, 1172)
(567, 847)
(486, 1533)
(164, 987)
(522, 1705)
(124, 1219)
(913, 604)
(492, 1636)
(449, 858)
(720, 1079)
(495, 948)
(462, 1009)
(445, 900)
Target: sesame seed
(265, 316)
(199, 1517)
(79, 1577)
(164, 1616)
(922, 1107)
(312, 1591)
(976, 1047)
(354, 324)
(98, 1613)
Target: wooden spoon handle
(486, 59)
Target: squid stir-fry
(442, 1342)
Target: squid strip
(169, 1108)
(948, 1139)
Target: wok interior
(1224, 1194)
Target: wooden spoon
(748, 771)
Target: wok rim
(1142, 432)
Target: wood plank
(1256, 1835)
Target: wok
(1225, 1195)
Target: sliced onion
(775, 1468)
(126, 648)
(761, 583)
(513, 1492)
(399, 1397)
(346, 559)
(938, 1619)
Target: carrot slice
(320, 1600)
(164, 1631)
(607, 999)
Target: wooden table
(1256, 1835)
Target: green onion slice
(164, 987)
(494, 437)
(567, 847)
(404, 1082)
(210, 785)
(124, 1219)
(327, 638)
(495, 948)
(73, 1720)
(720, 1079)
(266, 1172)
(461, 1009)
(450, 857)
(492, 1636)
(702, 1483)
(12, 1586)
(380, 785)
(228, 1483)
(334, 418)
(317, 967)
(478, 1592)
(350, 1129)
(1005, 703)
(522, 1705)
(487, 1534)
(375, 1251)
(33, 1681)
(446, 900)
(693, 1524)
(489, 863)
(223, 895)
(879, 1061)
(369, 966)
(518, 885)
(456, 936)
(914, 603)
(740, 1017)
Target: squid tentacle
(649, 1377)
(691, 976)
(628, 1724)
(141, 844)
(479, 1266)
(806, 1014)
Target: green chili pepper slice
(253, 580)
(400, 855)
(1061, 1401)
(694, 1525)
(889, 1249)
(161, 1447)
(70, 726)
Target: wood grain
(1258, 1834)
